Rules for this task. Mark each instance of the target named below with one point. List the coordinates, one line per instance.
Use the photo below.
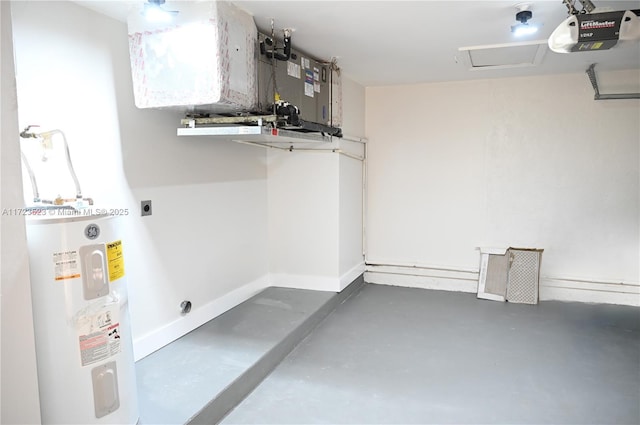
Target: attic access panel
(504, 56)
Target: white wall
(315, 219)
(351, 177)
(303, 216)
(19, 400)
(315, 208)
(524, 162)
(351, 252)
(207, 238)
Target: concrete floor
(399, 355)
(198, 378)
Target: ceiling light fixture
(154, 12)
(523, 15)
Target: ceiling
(408, 42)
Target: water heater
(86, 369)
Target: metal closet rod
(354, 139)
(292, 149)
(594, 82)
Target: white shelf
(256, 134)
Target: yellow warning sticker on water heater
(115, 260)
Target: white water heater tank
(86, 370)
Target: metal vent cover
(509, 274)
(523, 276)
(493, 279)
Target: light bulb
(523, 29)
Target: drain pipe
(594, 82)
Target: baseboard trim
(449, 279)
(317, 283)
(310, 282)
(153, 341)
(461, 280)
(423, 277)
(347, 278)
(589, 291)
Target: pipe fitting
(185, 307)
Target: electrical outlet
(145, 207)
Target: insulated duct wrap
(203, 60)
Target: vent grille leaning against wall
(510, 274)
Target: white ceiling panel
(407, 42)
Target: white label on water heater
(99, 336)
(66, 265)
